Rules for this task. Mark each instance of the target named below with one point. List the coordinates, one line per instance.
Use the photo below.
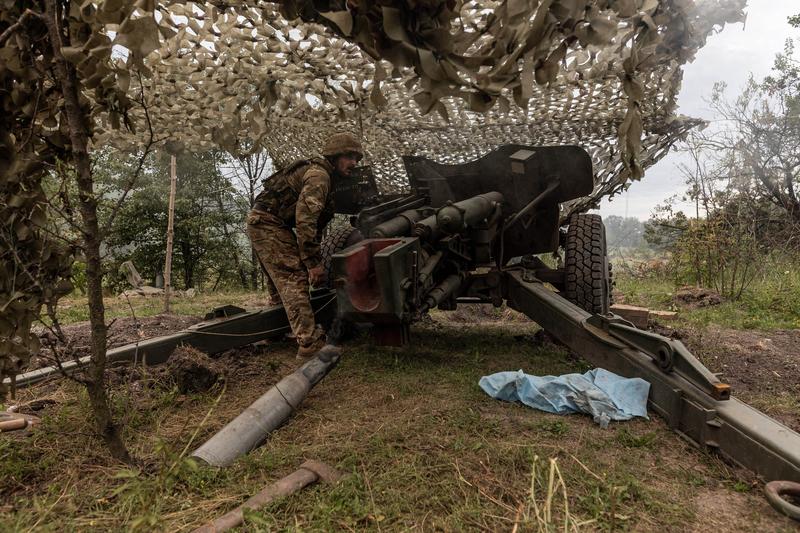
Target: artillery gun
(454, 237)
(474, 233)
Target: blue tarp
(600, 393)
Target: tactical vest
(279, 198)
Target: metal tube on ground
(13, 424)
(245, 432)
(310, 472)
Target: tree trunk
(240, 267)
(188, 265)
(76, 121)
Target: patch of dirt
(121, 331)
(193, 370)
(759, 365)
(422, 441)
(724, 510)
(480, 314)
(696, 297)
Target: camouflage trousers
(273, 298)
(276, 247)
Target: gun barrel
(455, 217)
(398, 226)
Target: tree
(624, 232)
(757, 150)
(247, 173)
(664, 228)
(207, 218)
(56, 76)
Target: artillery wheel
(587, 280)
(334, 242)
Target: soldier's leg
(277, 250)
(273, 297)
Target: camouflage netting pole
(170, 233)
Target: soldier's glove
(317, 276)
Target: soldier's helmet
(342, 143)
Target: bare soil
(762, 367)
(121, 331)
(479, 314)
(696, 297)
(193, 370)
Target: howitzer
(454, 237)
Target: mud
(695, 297)
(192, 370)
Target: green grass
(421, 447)
(771, 302)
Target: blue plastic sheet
(600, 393)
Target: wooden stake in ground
(170, 222)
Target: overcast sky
(729, 56)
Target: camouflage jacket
(300, 196)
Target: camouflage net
(461, 77)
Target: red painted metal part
(363, 288)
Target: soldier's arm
(314, 194)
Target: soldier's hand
(317, 276)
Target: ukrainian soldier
(285, 226)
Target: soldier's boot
(316, 344)
(310, 350)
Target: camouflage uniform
(297, 197)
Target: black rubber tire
(611, 283)
(334, 242)
(587, 281)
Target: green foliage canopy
(208, 220)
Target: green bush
(79, 276)
(720, 253)
(770, 301)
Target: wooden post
(170, 222)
